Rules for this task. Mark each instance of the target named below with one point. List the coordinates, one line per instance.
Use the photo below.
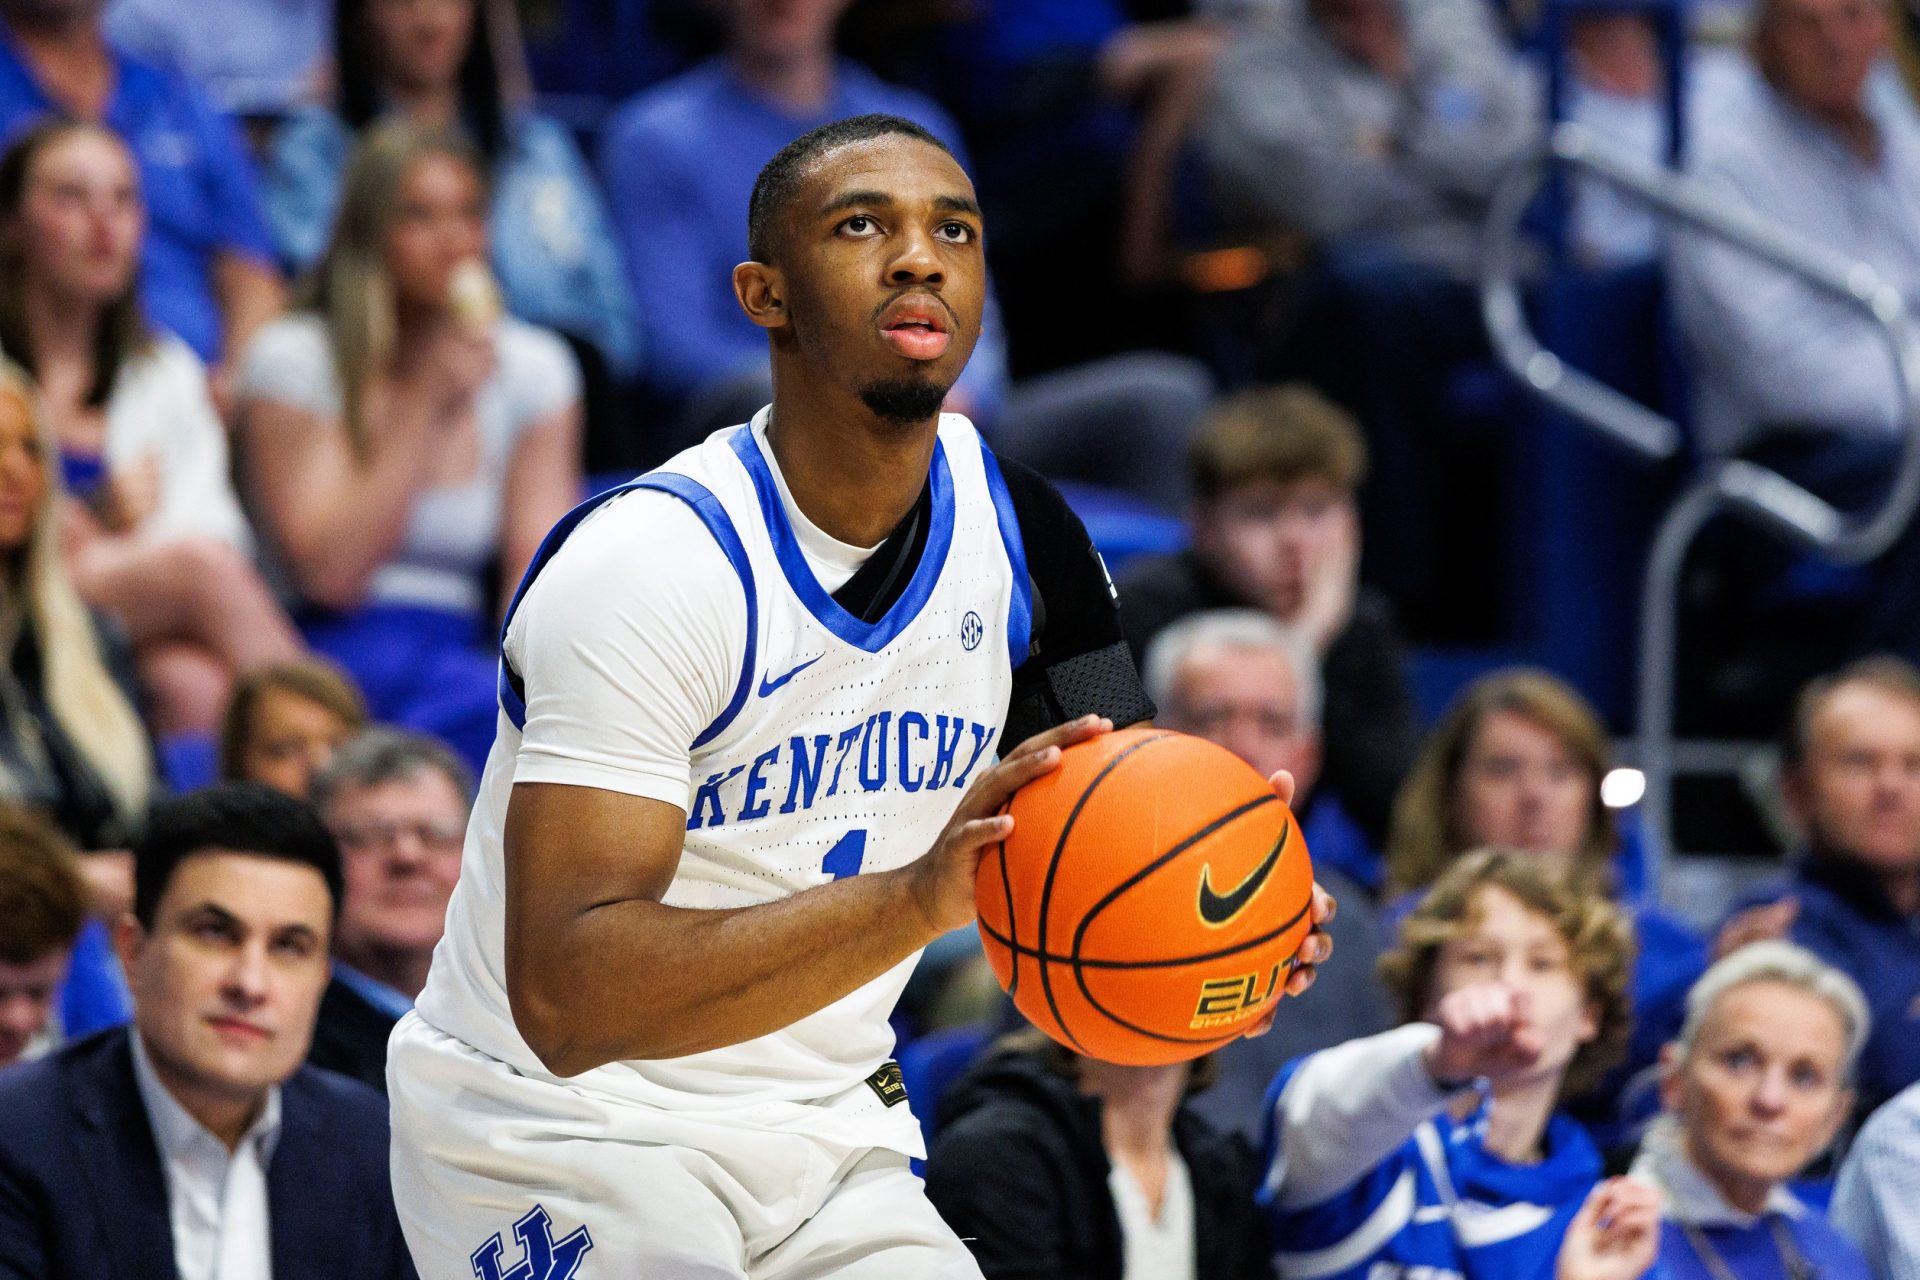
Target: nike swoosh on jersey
(1218, 908)
(767, 685)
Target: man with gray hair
(397, 804)
(1238, 678)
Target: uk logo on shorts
(971, 629)
(541, 1256)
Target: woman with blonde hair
(71, 743)
(1517, 762)
(154, 535)
(404, 444)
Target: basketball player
(745, 770)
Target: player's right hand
(1483, 1033)
(941, 881)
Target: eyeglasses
(437, 836)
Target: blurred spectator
(1276, 527)
(195, 1144)
(1878, 1187)
(1754, 1089)
(1050, 1165)
(285, 722)
(1814, 149)
(1371, 123)
(257, 61)
(1397, 1153)
(1242, 680)
(207, 271)
(1851, 783)
(156, 538)
(1081, 115)
(43, 902)
(440, 62)
(397, 803)
(1378, 128)
(397, 452)
(71, 744)
(679, 161)
(1517, 762)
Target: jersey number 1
(848, 852)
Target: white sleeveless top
(674, 641)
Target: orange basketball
(1147, 906)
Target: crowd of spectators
(315, 317)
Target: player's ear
(762, 293)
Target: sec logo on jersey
(971, 630)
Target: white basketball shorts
(500, 1177)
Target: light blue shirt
(1768, 349)
(1874, 1201)
(551, 241)
(255, 57)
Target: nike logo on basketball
(767, 686)
(1216, 908)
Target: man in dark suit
(194, 1145)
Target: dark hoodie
(1019, 1171)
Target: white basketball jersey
(844, 750)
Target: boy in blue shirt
(1437, 1149)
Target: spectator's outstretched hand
(1616, 1234)
(1484, 1032)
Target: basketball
(1148, 904)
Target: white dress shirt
(216, 1199)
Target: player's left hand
(1317, 946)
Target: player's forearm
(637, 980)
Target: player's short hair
(238, 817)
(1283, 434)
(1881, 671)
(1239, 630)
(376, 756)
(1598, 935)
(43, 897)
(774, 188)
(1788, 965)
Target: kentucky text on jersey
(907, 751)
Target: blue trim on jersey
(1020, 605)
(714, 516)
(870, 636)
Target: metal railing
(1733, 486)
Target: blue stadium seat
(189, 760)
(1121, 526)
(930, 1065)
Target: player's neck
(854, 475)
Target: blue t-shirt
(1440, 1207)
(678, 162)
(1846, 920)
(198, 181)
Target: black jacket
(83, 1195)
(1371, 726)
(350, 1036)
(1019, 1171)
